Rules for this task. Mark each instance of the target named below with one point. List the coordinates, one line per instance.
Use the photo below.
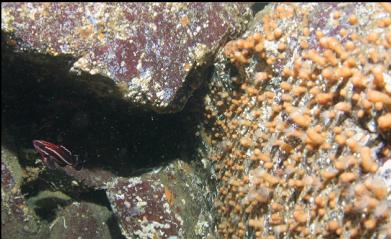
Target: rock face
(154, 52)
(169, 202)
(81, 220)
(143, 209)
(301, 112)
(17, 219)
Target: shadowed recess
(42, 100)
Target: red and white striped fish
(56, 155)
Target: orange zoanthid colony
(302, 123)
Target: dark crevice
(87, 115)
(257, 7)
(47, 208)
(115, 230)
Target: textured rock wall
(301, 134)
(150, 50)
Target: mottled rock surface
(154, 52)
(169, 202)
(143, 209)
(17, 219)
(298, 124)
(95, 178)
(81, 220)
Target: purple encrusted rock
(17, 219)
(81, 220)
(154, 52)
(143, 209)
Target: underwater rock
(17, 219)
(296, 124)
(96, 178)
(82, 220)
(176, 198)
(142, 208)
(189, 193)
(46, 203)
(11, 171)
(169, 202)
(154, 52)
